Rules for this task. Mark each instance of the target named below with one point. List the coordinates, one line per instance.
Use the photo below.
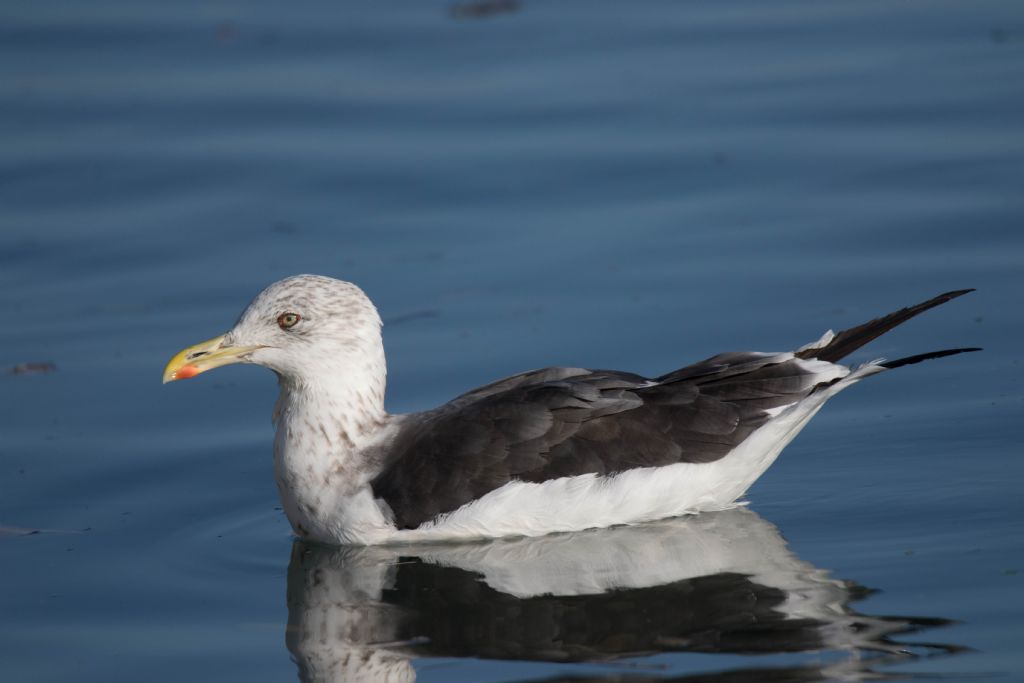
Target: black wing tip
(955, 293)
(938, 300)
(910, 360)
(847, 341)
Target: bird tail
(846, 342)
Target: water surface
(516, 185)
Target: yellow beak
(204, 356)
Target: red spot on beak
(186, 372)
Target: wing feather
(563, 422)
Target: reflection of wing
(721, 582)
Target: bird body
(557, 449)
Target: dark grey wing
(563, 422)
(560, 422)
(541, 376)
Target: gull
(551, 450)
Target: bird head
(298, 327)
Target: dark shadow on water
(714, 583)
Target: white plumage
(537, 453)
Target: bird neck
(327, 421)
(340, 405)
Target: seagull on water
(551, 450)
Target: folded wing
(564, 422)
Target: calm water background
(628, 185)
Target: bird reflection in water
(716, 583)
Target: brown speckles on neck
(371, 425)
(333, 437)
(323, 432)
(341, 473)
(346, 440)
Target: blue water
(516, 184)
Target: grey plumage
(564, 422)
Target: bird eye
(287, 320)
